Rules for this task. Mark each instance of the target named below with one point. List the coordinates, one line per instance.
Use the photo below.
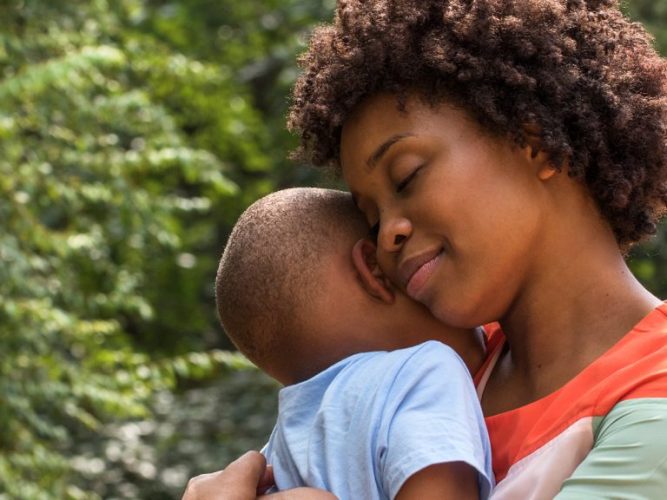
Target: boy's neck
(470, 345)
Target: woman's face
(459, 211)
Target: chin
(457, 315)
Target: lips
(415, 271)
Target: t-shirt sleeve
(629, 456)
(432, 416)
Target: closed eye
(405, 182)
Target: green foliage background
(132, 134)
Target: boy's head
(298, 288)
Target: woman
(508, 153)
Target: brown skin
(466, 197)
(455, 480)
(360, 312)
(522, 241)
(244, 479)
(586, 75)
(594, 86)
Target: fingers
(266, 481)
(239, 481)
(301, 494)
(242, 480)
(246, 470)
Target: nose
(394, 232)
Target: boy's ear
(371, 276)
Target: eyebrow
(384, 147)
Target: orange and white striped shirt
(601, 435)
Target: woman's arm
(239, 481)
(243, 479)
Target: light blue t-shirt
(363, 426)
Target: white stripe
(541, 474)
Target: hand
(300, 494)
(243, 479)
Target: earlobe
(546, 172)
(544, 169)
(533, 148)
(373, 280)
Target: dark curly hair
(579, 71)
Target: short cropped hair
(576, 70)
(270, 270)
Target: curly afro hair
(577, 70)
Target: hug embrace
(506, 155)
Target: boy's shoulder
(383, 410)
(386, 373)
(425, 356)
(372, 378)
(429, 349)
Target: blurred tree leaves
(653, 15)
(649, 261)
(125, 154)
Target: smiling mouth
(421, 275)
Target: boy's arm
(453, 480)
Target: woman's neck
(548, 329)
(569, 313)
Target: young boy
(375, 405)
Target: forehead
(375, 118)
(380, 121)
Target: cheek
(388, 266)
(495, 241)
(503, 203)
(499, 234)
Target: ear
(371, 276)
(533, 149)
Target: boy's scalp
(269, 268)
